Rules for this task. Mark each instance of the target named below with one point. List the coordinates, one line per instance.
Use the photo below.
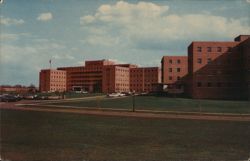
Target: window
(178, 77)
(209, 84)
(219, 49)
(199, 60)
(199, 84)
(170, 78)
(209, 49)
(209, 60)
(199, 49)
(170, 61)
(170, 69)
(178, 69)
(178, 61)
(229, 49)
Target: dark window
(178, 69)
(229, 49)
(199, 84)
(170, 69)
(209, 49)
(219, 49)
(209, 84)
(199, 60)
(209, 60)
(178, 77)
(170, 78)
(199, 49)
(178, 61)
(170, 61)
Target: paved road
(120, 113)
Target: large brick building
(143, 79)
(106, 76)
(174, 73)
(52, 80)
(88, 77)
(218, 70)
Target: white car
(113, 95)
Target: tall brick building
(174, 73)
(218, 70)
(88, 77)
(106, 76)
(143, 79)
(52, 80)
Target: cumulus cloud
(10, 21)
(147, 23)
(45, 16)
(38, 52)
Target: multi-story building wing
(88, 77)
(143, 79)
(244, 48)
(52, 80)
(174, 73)
(115, 79)
(215, 70)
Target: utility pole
(133, 98)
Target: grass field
(168, 104)
(57, 136)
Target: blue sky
(141, 32)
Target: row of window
(210, 49)
(62, 77)
(177, 70)
(171, 77)
(218, 62)
(216, 84)
(178, 61)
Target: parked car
(8, 98)
(29, 96)
(115, 94)
(84, 92)
(54, 97)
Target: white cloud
(45, 16)
(10, 21)
(148, 23)
(16, 58)
(7, 37)
(248, 1)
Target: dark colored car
(8, 98)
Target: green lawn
(165, 103)
(57, 136)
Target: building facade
(216, 70)
(86, 78)
(143, 79)
(52, 80)
(174, 73)
(115, 79)
(106, 76)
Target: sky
(139, 32)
